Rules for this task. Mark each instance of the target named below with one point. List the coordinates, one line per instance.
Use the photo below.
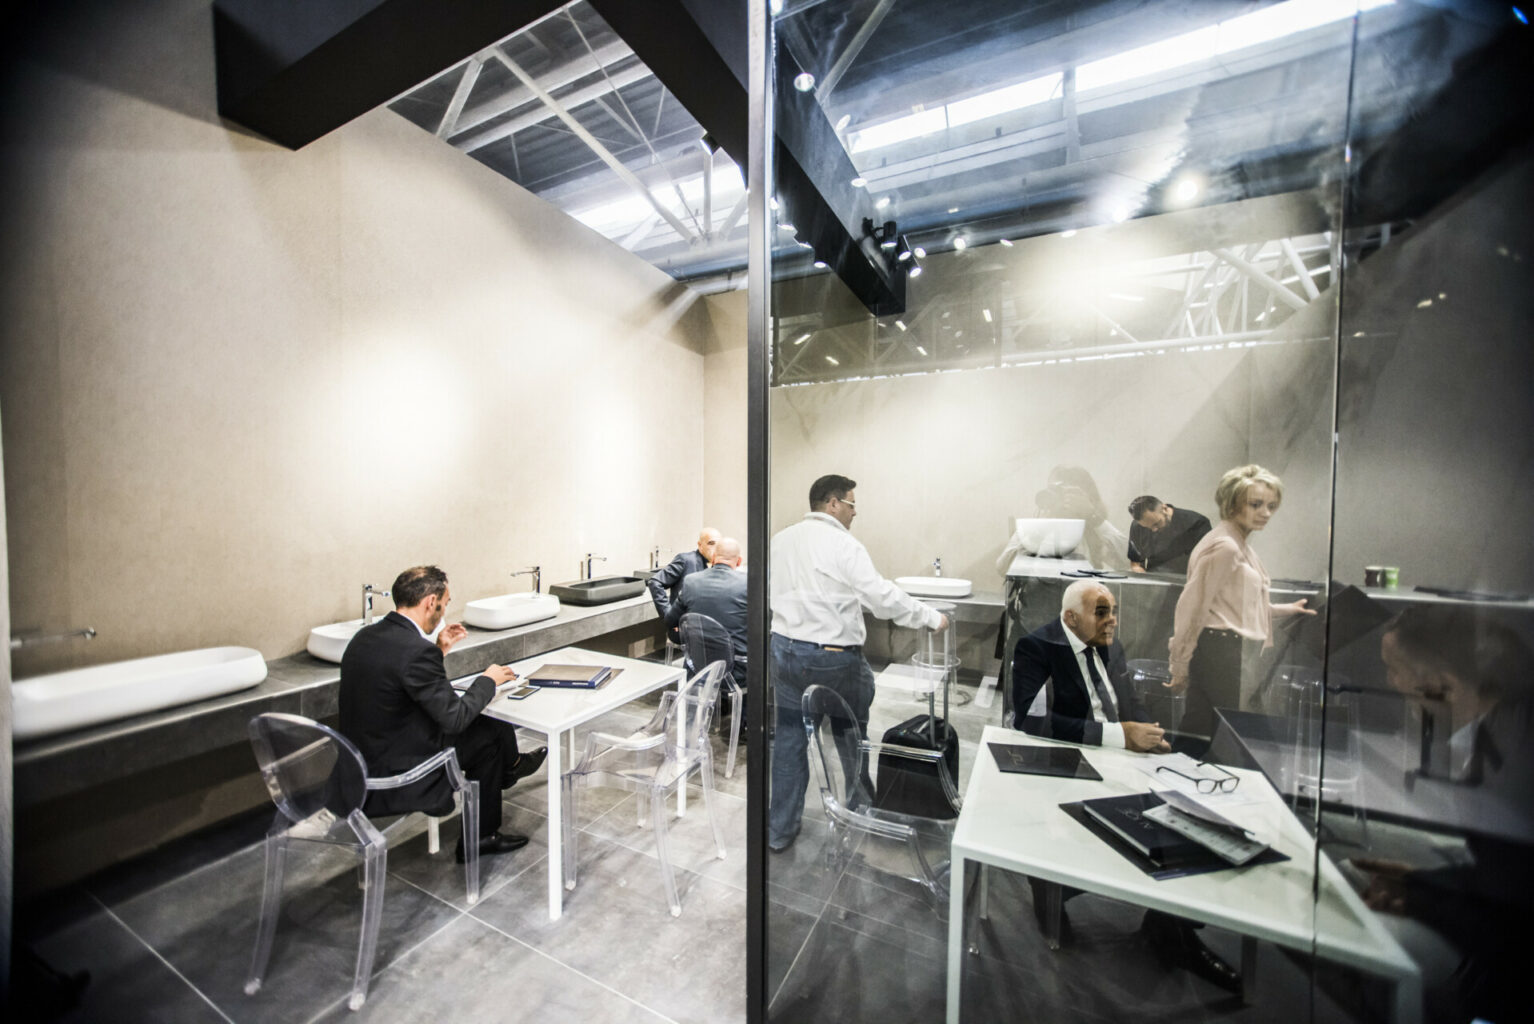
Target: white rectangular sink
(61, 701)
(935, 586)
(510, 610)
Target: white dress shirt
(822, 579)
(1113, 732)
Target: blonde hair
(1236, 482)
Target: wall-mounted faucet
(33, 639)
(655, 558)
(937, 566)
(536, 572)
(368, 593)
(589, 559)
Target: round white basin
(935, 586)
(44, 705)
(1050, 538)
(510, 610)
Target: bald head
(1089, 611)
(707, 538)
(727, 552)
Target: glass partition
(1176, 355)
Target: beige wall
(724, 415)
(238, 382)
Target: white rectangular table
(1015, 822)
(555, 712)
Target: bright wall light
(1004, 101)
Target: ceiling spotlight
(802, 339)
(921, 253)
(832, 361)
(843, 121)
(920, 349)
(900, 324)
(776, 6)
(1186, 189)
(859, 182)
(1006, 242)
(987, 314)
(820, 264)
(804, 81)
(1068, 233)
(905, 254)
(915, 269)
(1119, 214)
(882, 203)
(961, 243)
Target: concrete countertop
(299, 684)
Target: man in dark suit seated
(720, 593)
(398, 707)
(1070, 682)
(667, 584)
(1162, 537)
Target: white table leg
(956, 874)
(555, 767)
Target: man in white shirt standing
(822, 579)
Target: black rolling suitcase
(913, 787)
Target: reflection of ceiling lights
(801, 339)
(1068, 233)
(987, 314)
(900, 324)
(883, 202)
(961, 243)
(1006, 242)
(961, 112)
(859, 182)
(832, 361)
(1238, 33)
(804, 81)
(1187, 188)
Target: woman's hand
(1178, 684)
(1293, 608)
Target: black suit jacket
(1043, 660)
(665, 584)
(1167, 549)
(398, 707)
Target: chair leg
(469, 819)
(707, 771)
(737, 706)
(375, 861)
(662, 847)
(271, 905)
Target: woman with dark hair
(1224, 618)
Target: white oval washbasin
(44, 705)
(1049, 538)
(510, 610)
(935, 586)
(329, 642)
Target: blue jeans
(797, 666)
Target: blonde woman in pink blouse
(1224, 618)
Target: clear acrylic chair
(706, 641)
(907, 846)
(653, 760)
(319, 782)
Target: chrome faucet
(937, 567)
(368, 593)
(32, 639)
(536, 572)
(589, 559)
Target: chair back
(697, 708)
(705, 641)
(307, 767)
(836, 745)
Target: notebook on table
(574, 677)
(1030, 759)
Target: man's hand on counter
(1145, 737)
(500, 675)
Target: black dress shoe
(529, 762)
(1178, 945)
(500, 842)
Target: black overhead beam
(293, 70)
(697, 48)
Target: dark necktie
(1109, 711)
